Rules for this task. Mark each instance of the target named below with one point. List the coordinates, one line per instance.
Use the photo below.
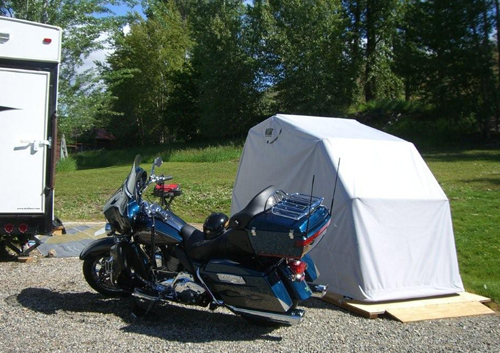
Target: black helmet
(214, 225)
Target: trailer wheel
(98, 278)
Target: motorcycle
(254, 263)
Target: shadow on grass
(169, 322)
(493, 156)
(492, 181)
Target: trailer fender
(97, 247)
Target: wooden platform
(457, 305)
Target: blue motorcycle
(254, 263)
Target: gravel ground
(47, 306)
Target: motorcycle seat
(187, 231)
(257, 205)
(199, 248)
(227, 245)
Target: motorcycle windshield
(130, 184)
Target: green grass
(174, 152)
(471, 179)
(66, 165)
(207, 187)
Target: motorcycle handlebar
(165, 178)
(160, 179)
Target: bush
(417, 122)
(435, 133)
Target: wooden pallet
(25, 259)
(455, 305)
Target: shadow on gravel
(314, 303)
(169, 322)
(183, 324)
(49, 302)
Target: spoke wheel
(98, 278)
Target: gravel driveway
(47, 306)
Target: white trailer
(30, 54)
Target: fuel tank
(167, 229)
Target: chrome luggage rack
(295, 206)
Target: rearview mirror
(157, 162)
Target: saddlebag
(242, 287)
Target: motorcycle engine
(189, 292)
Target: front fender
(97, 247)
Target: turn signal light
(9, 228)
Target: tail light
(9, 228)
(298, 269)
(23, 227)
(305, 242)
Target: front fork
(129, 265)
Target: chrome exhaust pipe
(318, 290)
(292, 318)
(141, 295)
(144, 296)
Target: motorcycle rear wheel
(96, 276)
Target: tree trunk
(488, 85)
(370, 83)
(497, 22)
(355, 9)
(407, 89)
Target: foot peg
(318, 290)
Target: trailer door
(24, 146)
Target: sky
(100, 55)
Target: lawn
(471, 179)
(207, 187)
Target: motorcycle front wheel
(98, 278)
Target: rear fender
(297, 289)
(312, 272)
(97, 247)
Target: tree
(229, 98)
(446, 57)
(306, 54)
(141, 74)
(497, 30)
(380, 29)
(85, 24)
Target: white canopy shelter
(391, 235)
